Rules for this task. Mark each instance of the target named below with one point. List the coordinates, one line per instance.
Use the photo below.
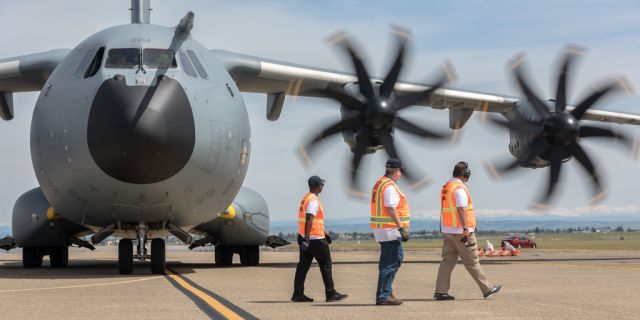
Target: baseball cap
(394, 163)
(315, 181)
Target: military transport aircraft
(140, 132)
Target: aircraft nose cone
(141, 134)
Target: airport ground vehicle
(520, 242)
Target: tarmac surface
(538, 284)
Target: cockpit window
(83, 63)
(196, 62)
(159, 59)
(123, 58)
(186, 65)
(94, 66)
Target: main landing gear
(32, 256)
(126, 256)
(249, 255)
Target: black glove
(465, 235)
(404, 235)
(304, 245)
(328, 238)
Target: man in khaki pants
(457, 225)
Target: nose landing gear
(126, 256)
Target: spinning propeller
(373, 113)
(556, 134)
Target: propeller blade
(364, 81)
(571, 53)
(497, 171)
(589, 101)
(576, 150)
(538, 105)
(587, 131)
(516, 125)
(345, 100)
(410, 99)
(409, 127)
(533, 149)
(390, 80)
(363, 140)
(390, 148)
(555, 164)
(350, 123)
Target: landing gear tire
(250, 256)
(224, 256)
(31, 258)
(125, 256)
(59, 257)
(157, 256)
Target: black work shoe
(336, 297)
(492, 291)
(391, 301)
(301, 298)
(443, 296)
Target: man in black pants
(314, 243)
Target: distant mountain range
(361, 224)
(516, 223)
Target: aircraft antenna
(140, 11)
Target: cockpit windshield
(151, 58)
(159, 59)
(123, 58)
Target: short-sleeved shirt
(391, 200)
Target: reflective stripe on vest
(449, 211)
(317, 224)
(380, 217)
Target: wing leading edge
(281, 79)
(25, 73)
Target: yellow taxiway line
(206, 298)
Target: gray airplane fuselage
(132, 145)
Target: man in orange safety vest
(389, 223)
(314, 243)
(457, 225)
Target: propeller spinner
(373, 114)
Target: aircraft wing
(25, 73)
(281, 79)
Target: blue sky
(478, 36)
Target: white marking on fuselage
(10, 69)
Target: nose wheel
(126, 256)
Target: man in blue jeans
(389, 222)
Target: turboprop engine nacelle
(245, 222)
(36, 224)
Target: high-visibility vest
(380, 217)
(317, 224)
(449, 212)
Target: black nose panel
(141, 134)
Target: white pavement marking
(83, 285)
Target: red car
(520, 242)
